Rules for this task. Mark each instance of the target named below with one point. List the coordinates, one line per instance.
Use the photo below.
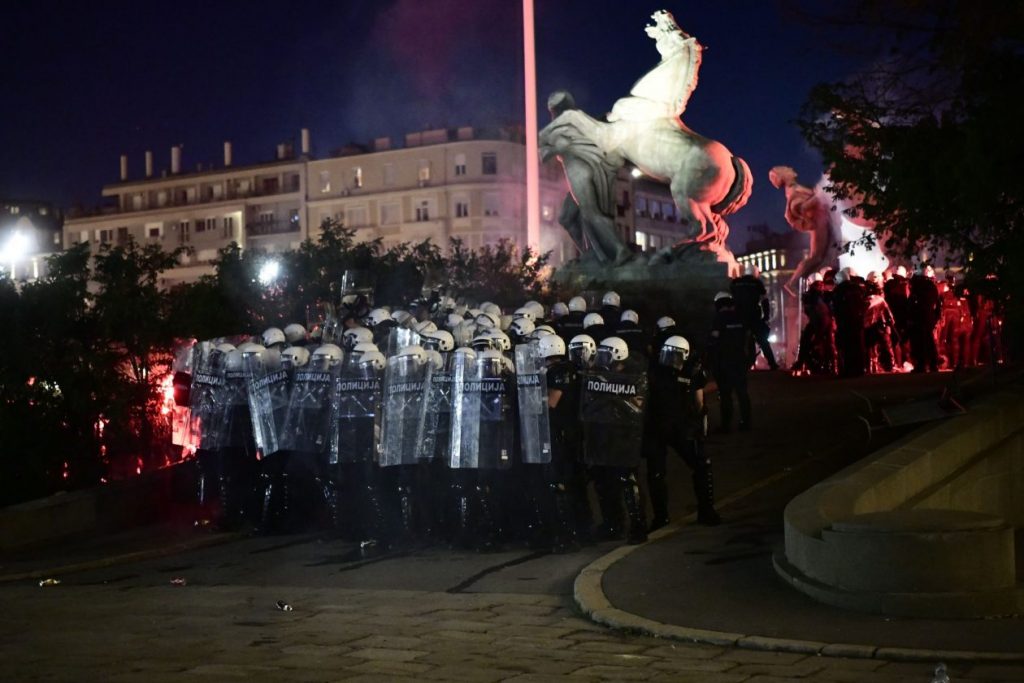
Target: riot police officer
(677, 418)
(731, 352)
(751, 301)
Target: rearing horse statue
(707, 182)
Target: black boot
(564, 540)
(486, 530)
(609, 500)
(631, 499)
(658, 490)
(267, 495)
(704, 490)
(406, 515)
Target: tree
(929, 137)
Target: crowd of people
(468, 425)
(889, 322)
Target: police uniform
(675, 420)
(567, 466)
(731, 352)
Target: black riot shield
(532, 395)
(269, 393)
(435, 423)
(402, 409)
(357, 413)
(497, 428)
(205, 413)
(464, 435)
(612, 414)
(307, 424)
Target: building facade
(437, 185)
(30, 231)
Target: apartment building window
(211, 224)
(137, 202)
(293, 219)
(489, 163)
(424, 172)
(355, 217)
(184, 228)
(154, 231)
(271, 186)
(390, 213)
(641, 239)
(461, 208)
(641, 207)
(84, 236)
(229, 226)
(161, 198)
(122, 235)
(389, 175)
(357, 177)
(105, 236)
(325, 181)
(492, 204)
(460, 164)
(423, 210)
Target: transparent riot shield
(612, 414)
(464, 439)
(532, 394)
(402, 408)
(307, 423)
(234, 399)
(399, 338)
(497, 416)
(269, 387)
(435, 423)
(357, 412)
(205, 414)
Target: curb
(589, 596)
(111, 560)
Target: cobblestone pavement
(175, 633)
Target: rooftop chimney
(149, 164)
(305, 142)
(175, 159)
(124, 167)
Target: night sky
(86, 82)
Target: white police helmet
(522, 327)
(591, 319)
(272, 336)
(550, 346)
(722, 296)
(559, 309)
(373, 359)
(582, 349)
(537, 308)
(523, 312)
(326, 355)
(355, 335)
(578, 304)
(435, 360)
(611, 350)
(486, 319)
(502, 342)
(630, 315)
(425, 326)
(611, 299)
(674, 352)
(493, 309)
(453, 320)
(364, 347)
(413, 351)
(665, 322)
(442, 340)
(294, 333)
(295, 356)
(466, 352)
(376, 317)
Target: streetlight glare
(269, 272)
(16, 247)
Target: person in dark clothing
(611, 307)
(897, 291)
(595, 326)
(567, 475)
(751, 300)
(817, 354)
(731, 352)
(924, 308)
(677, 418)
(628, 329)
(849, 306)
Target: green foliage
(931, 137)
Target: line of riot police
(487, 432)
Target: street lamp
(15, 248)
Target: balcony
(261, 228)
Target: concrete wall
(950, 495)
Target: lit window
(424, 172)
(357, 177)
(460, 164)
(641, 207)
(325, 181)
(293, 218)
(489, 163)
(641, 239)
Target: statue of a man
(588, 212)
(806, 211)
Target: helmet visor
(604, 358)
(580, 356)
(673, 357)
